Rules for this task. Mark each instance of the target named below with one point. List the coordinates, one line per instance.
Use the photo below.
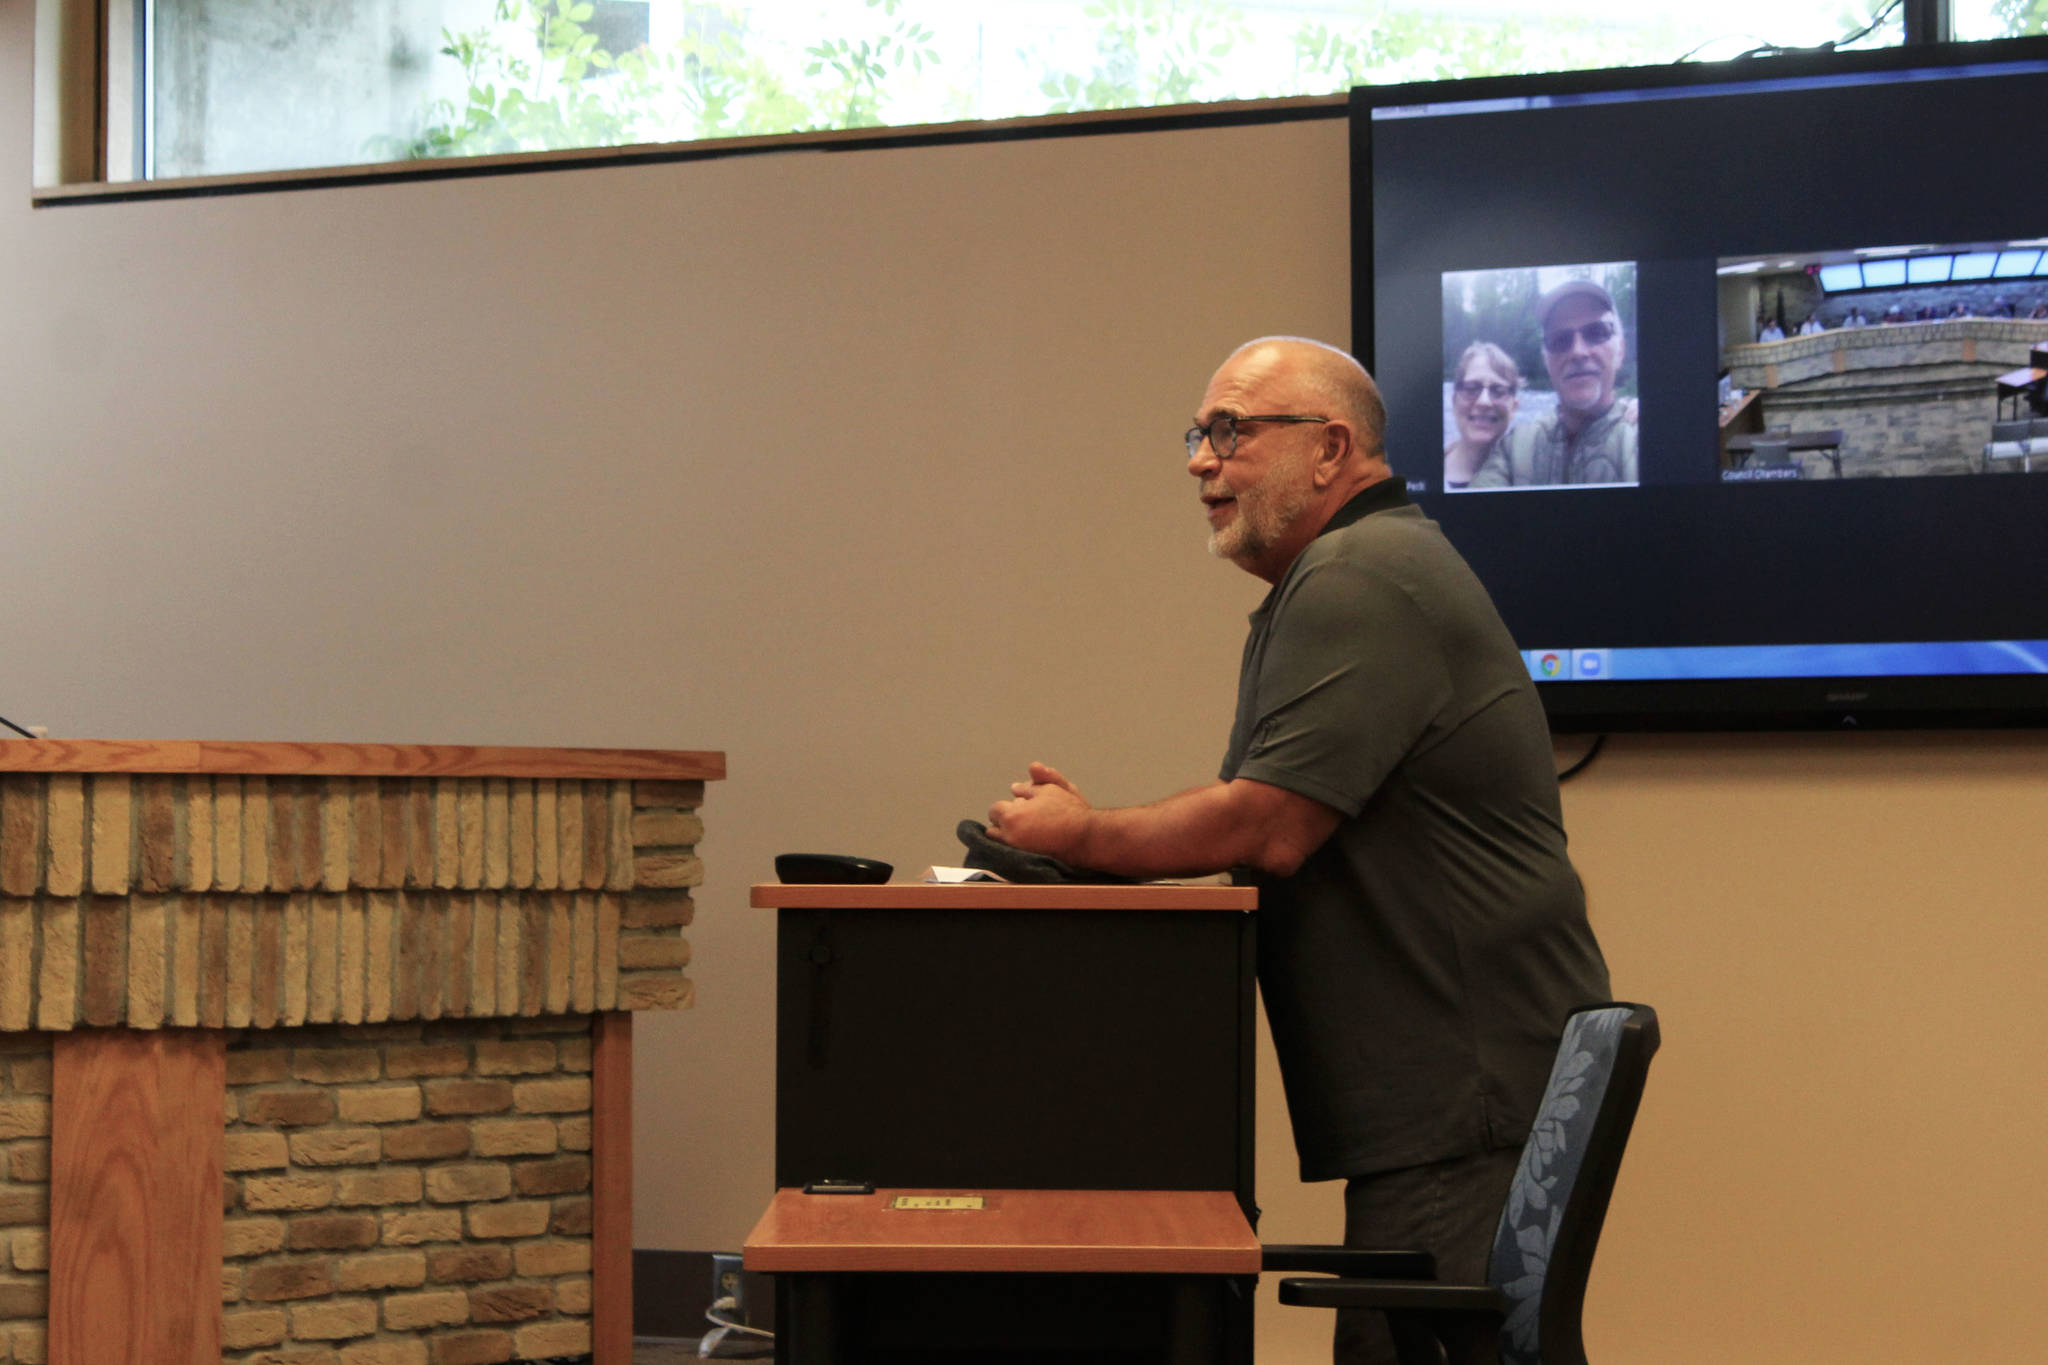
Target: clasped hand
(1045, 814)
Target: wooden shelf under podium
(1015, 1231)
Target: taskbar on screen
(1944, 658)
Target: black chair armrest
(1357, 1262)
(1424, 1296)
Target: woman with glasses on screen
(1484, 388)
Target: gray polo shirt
(1417, 969)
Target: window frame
(87, 119)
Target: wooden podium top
(1015, 1231)
(998, 896)
(224, 757)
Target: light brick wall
(408, 1193)
(247, 901)
(1910, 399)
(24, 1195)
(407, 969)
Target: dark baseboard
(671, 1290)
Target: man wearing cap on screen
(1591, 438)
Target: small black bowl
(830, 867)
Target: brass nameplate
(937, 1201)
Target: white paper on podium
(953, 876)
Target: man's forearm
(1189, 834)
(1200, 831)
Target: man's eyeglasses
(1472, 388)
(1595, 333)
(1221, 432)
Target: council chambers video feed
(1885, 362)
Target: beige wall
(863, 467)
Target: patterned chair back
(1543, 1252)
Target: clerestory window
(206, 88)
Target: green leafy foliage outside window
(538, 78)
(2021, 18)
(1148, 52)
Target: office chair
(2014, 441)
(1543, 1252)
(2037, 441)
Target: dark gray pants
(1450, 1209)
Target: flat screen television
(1733, 375)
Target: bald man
(1389, 788)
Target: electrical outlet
(728, 1282)
(732, 1335)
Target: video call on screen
(1706, 548)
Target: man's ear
(1334, 453)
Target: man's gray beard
(1264, 513)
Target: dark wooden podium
(1078, 1058)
